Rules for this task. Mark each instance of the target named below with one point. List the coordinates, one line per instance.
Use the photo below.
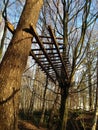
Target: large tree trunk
(13, 65)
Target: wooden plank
(48, 43)
(60, 38)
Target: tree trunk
(63, 109)
(52, 112)
(13, 65)
(31, 108)
(90, 87)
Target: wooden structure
(47, 52)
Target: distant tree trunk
(2, 42)
(13, 65)
(90, 87)
(43, 105)
(3, 31)
(84, 101)
(31, 108)
(89, 74)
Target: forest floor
(77, 120)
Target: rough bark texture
(13, 65)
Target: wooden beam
(48, 43)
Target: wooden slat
(47, 43)
(60, 38)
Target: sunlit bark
(13, 65)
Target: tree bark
(13, 65)
(63, 108)
(52, 112)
